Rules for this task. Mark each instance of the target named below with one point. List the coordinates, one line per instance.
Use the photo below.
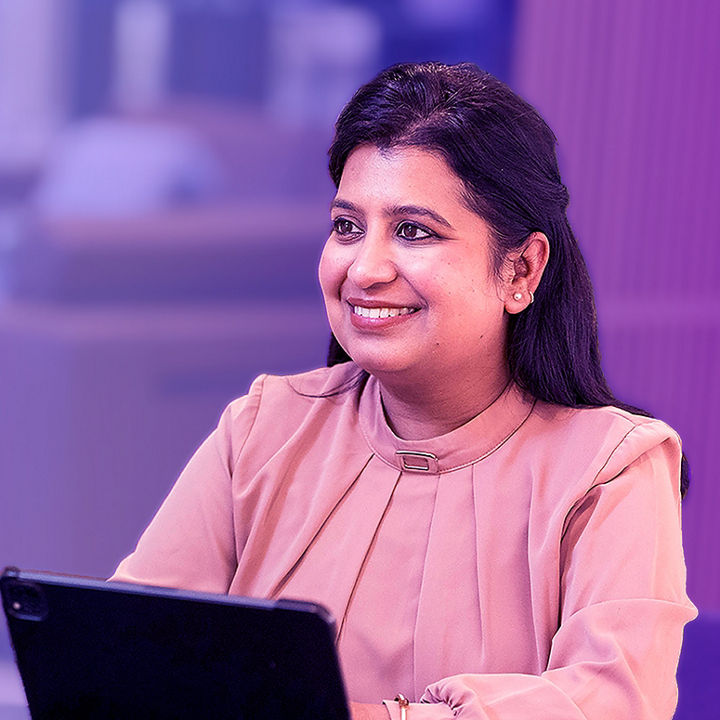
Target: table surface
(12, 697)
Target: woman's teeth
(381, 312)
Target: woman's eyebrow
(344, 205)
(396, 210)
(417, 210)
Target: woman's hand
(364, 711)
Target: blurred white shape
(107, 167)
(142, 41)
(31, 79)
(319, 56)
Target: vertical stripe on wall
(631, 89)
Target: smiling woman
(409, 285)
(460, 487)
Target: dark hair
(504, 153)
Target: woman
(496, 534)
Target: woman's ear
(527, 267)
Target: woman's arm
(190, 543)
(624, 606)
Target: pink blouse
(528, 564)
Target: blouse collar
(471, 442)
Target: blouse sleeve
(623, 606)
(190, 542)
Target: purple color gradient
(630, 91)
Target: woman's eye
(343, 226)
(410, 231)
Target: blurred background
(164, 200)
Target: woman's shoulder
(599, 442)
(279, 409)
(288, 398)
(607, 421)
(320, 383)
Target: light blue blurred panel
(107, 167)
(318, 56)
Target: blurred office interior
(163, 204)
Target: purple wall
(631, 90)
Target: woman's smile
(376, 314)
(407, 271)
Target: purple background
(163, 202)
(631, 90)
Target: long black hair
(504, 153)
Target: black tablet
(93, 649)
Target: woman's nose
(373, 263)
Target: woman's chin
(386, 366)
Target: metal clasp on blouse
(418, 461)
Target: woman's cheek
(324, 270)
(330, 272)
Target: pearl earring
(517, 296)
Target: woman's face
(407, 271)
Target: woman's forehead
(400, 175)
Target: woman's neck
(420, 410)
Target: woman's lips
(377, 315)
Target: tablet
(88, 648)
